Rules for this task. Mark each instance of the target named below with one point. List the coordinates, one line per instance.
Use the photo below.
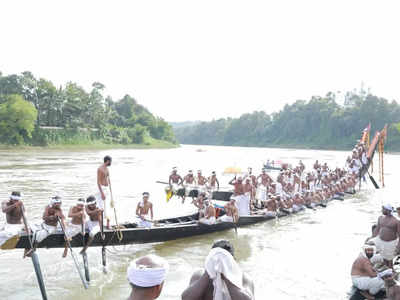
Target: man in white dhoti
(51, 215)
(13, 210)
(387, 235)
(209, 215)
(363, 275)
(103, 196)
(231, 212)
(74, 227)
(222, 278)
(146, 276)
(95, 219)
(143, 209)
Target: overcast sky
(199, 60)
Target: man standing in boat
(242, 200)
(189, 183)
(143, 209)
(103, 196)
(13, 210)
(387, 233)
(176, 184)
(201, 181)
(213, 181)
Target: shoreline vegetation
(35, 113)
(320, 123)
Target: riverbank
(95, 145)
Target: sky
(200, 60)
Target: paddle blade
(169, 195)
(374, 182)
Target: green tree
(17, 120)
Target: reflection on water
(306, 256)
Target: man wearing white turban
(146, 275)
(392, 287)
(222, 278)
(363, 274)
(387, 235)
(13, 210)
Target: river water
(306, 256)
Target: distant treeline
(318, 123)
(28, 106)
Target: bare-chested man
(51, 215)
(243, 201)
(231, 212)
(95, 219)
(143, 209)
(363, 274)
(271, 207)
(248, 188)
(201, 286)
(392, 287)
(213, 182)
(176, 184)
(210, 213)
(103, 195)
(13, 210)
(387, 232)
(201, 181)
(74, 227)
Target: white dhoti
(370, 284)
(296, 208)
(225, 218)
(270, 213)
(143, 223)
(261, 193)
(105, 205)
(43, 231)
(9, 231)
(93, 228)
(72, 230)
(386, 249)
(209, 221)
(243, 204)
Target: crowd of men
(293, 190)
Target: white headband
(385, 273)
(80, 202)
(13, 197)
(143, 276)
(55, 200)
(388, 207)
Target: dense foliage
(74, 115)
(318, 123)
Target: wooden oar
(373, 180)
(84, 255)
(85, 284)
(162, 182)
(34, 257)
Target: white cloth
(219, 261)
(371, 284)
(209, 221)
(386, 249)
(225, 218)
(93, 227)
(243, 204)
(106, 207)
(144, 276)
(269, 213)
(261, 193)
(43, 231)
(72, 230)
(8, 231)
(143, 223)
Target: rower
(93, 224)
(243, 201)
(387, 232)
(146, 277)
(201, 181)
(248, 189)
(51, 215)
(271, 207)
(231, 212)
(199, 203)
(214, 183)
(103, 195)
(210, 213)
(13, 210)
(189, 183)
(143, 209)
(363, 275)
(74, 227)
(176, 184)
(392, 287)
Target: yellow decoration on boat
(10, 243)
(233, 170)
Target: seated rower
(13, 210)
(272, 207)
(392, 287)
(199, 203)
(74, 227)
(143, 209)
(95, 219)
(51, 215)
(231, 212)
(209, 217)
(363, 274)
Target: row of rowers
(84, 216)
(287, 200)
